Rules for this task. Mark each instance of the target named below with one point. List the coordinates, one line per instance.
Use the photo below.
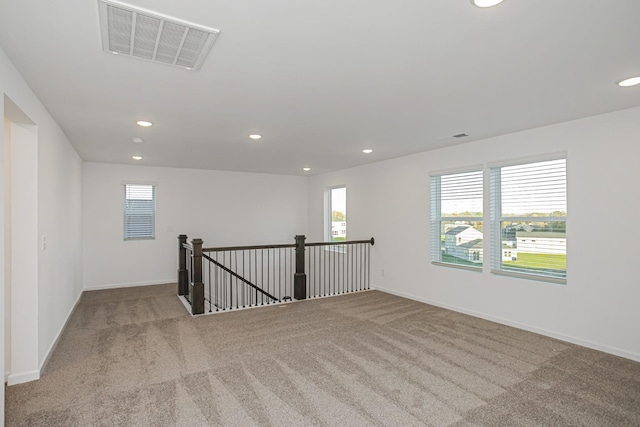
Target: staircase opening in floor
(219, 279)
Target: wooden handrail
(250, 247)
(346, 242)
(246, 248)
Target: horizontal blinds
(461, 194)
(529, 206)
(456, 214)
(534, 189)
(139, 211)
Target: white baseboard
(23, 377)
(58, 335)
(573, 340)
(129, 285)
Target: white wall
(59, 215)
(23, 237)
(598, 307)
(222, 208)
(3, 243)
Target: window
(139, 211)
(529, 217)
(456, 219)
(338, 213)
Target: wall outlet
(44, 243)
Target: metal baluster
(281, 295)
(262, 274)
(368, 266)
(244, 300)
(361, 269)
(225, 289)
(235, 258)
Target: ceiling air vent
(128, 30)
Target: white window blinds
(139, 211)
(456, 218)
(529, 214)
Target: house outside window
(529, 219)
(456, 219)
(139, 211)
(337, 212)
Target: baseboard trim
(23, 377)
(58, 335)
(573, 340)
(129, 285)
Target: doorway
(20, 175)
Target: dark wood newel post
(300, 278)
(196, 288)
(183, 274)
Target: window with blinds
(456, 219)
(338, 214)
(529, 220)
(139, 211)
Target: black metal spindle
(225, 288)
(235, 261)
(262, 274)
(216, 286)
(361, 269)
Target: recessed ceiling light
(367, 151)
(136, 157)
(486, 3)
(306, 169)
(630, 82)
(144, 123)
(255, 136)
(137, 140)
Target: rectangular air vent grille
(148, 35)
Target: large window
(529, 217)
(456, 219)
(338, 214)
(139, 211)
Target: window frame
(497, 218)
(437, 218)
(328, 235)
(128, 214)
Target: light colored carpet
(134, 357)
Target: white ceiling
(321, 80)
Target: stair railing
(234, 277)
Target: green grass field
(529, 260)
(552, 264)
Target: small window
(338, 213)
(456, 219)
(529, 214)
(139, 211)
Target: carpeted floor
(134, 357)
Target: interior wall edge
(51, 348)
